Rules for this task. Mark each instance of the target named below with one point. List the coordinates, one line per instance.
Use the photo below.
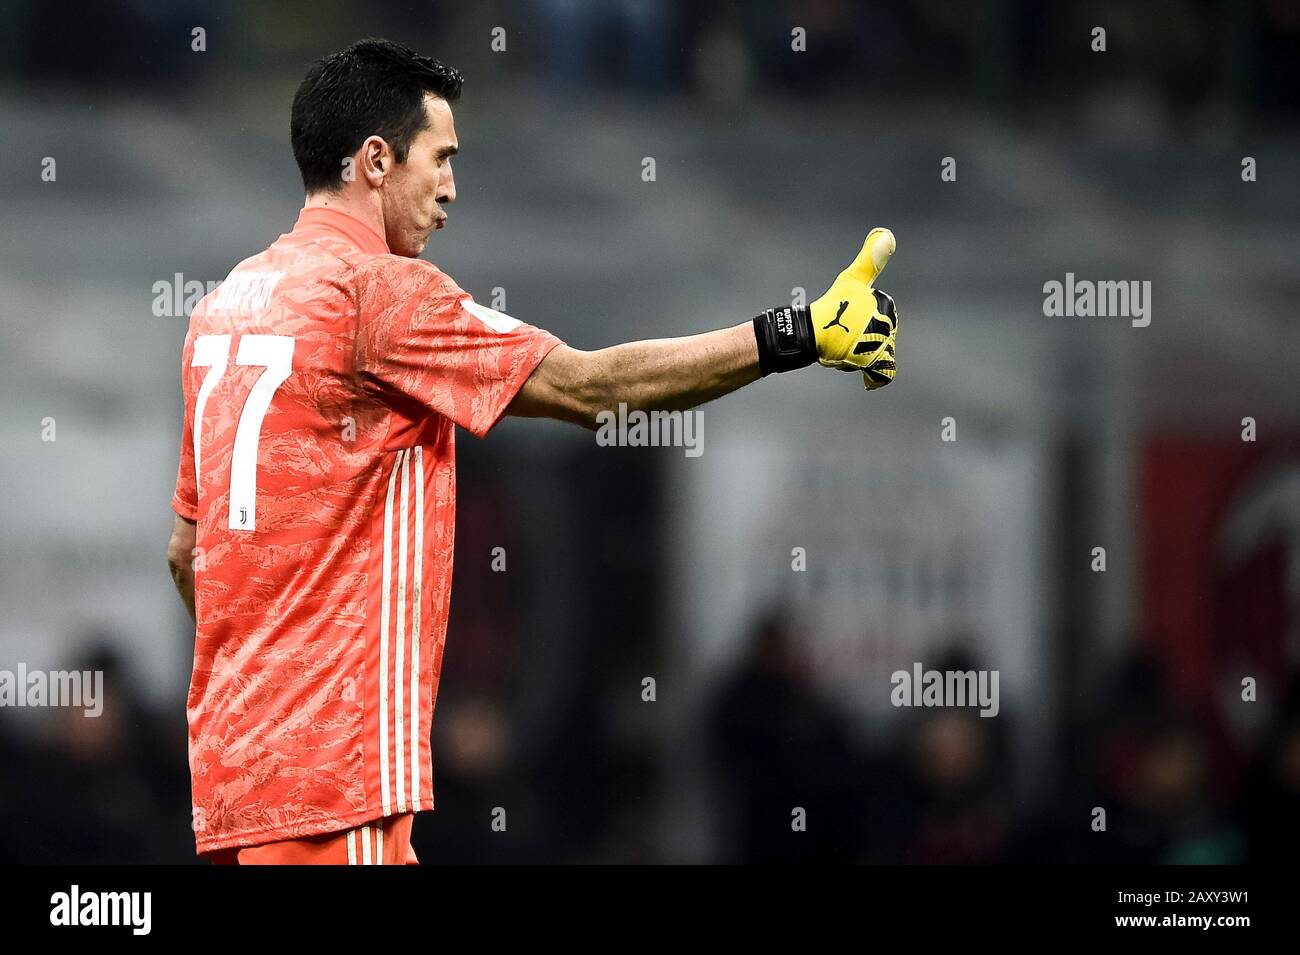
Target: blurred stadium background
(1119, 689)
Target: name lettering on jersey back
(246, 291)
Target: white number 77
(275, 353)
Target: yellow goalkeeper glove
(852, 327)
(856, 325)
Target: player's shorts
(382, 842)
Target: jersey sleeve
(185, 499)
(424, 338)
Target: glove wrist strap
(785, 339)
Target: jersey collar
(318, 219)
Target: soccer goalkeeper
(322, 381)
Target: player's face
(416, 190)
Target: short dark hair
(373, 88)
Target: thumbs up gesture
(856, 324)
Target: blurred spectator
(779, 746)
(944, 794)
(1166, 813)
(1152, 762)
(627, 42)
(112, 788)
(1272, 803)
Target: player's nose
(447, 188)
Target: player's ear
(374, 160)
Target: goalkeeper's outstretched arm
(662, 374)
(852, 327)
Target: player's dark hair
(373, 88)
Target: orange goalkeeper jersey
(322, 381)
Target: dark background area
(1121, 689)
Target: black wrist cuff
(785, 339)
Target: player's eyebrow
(446, 151)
